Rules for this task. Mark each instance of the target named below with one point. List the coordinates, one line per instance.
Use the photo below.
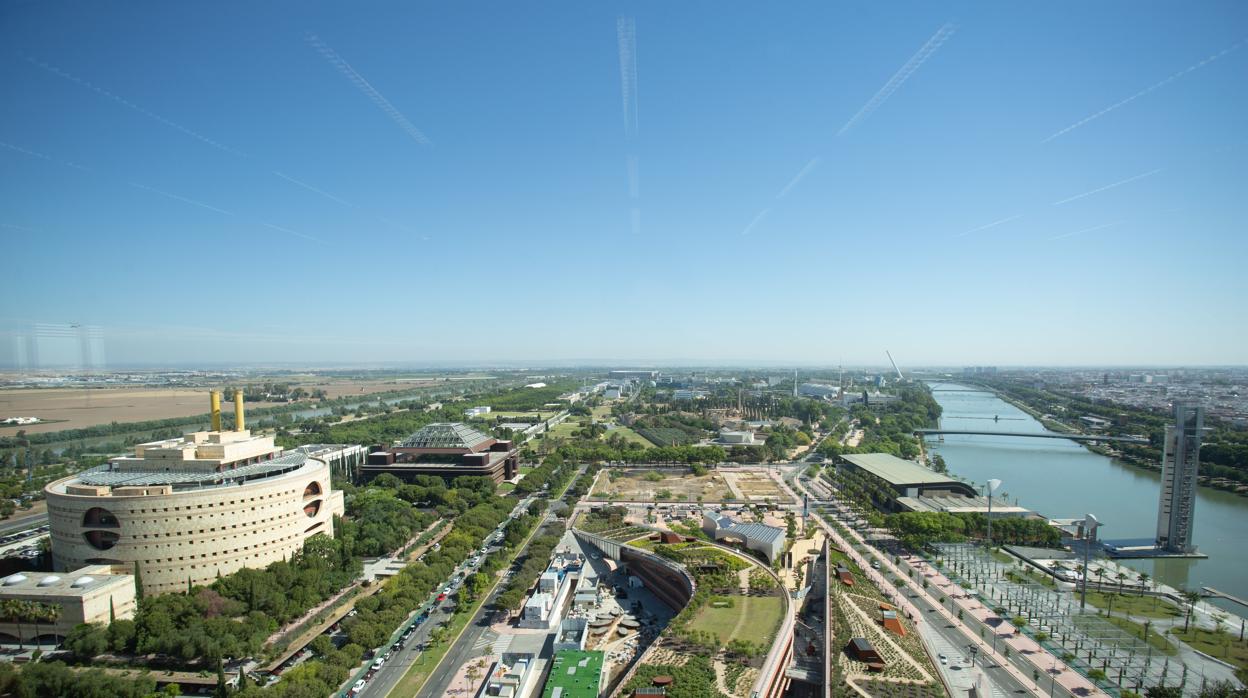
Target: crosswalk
(487, 639)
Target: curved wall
(194, 534)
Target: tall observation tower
(1180, 461)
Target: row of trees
(919, 529)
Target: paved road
(941, 637)
(392, 671)
(475, 633)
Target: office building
(447, 450)
(1180, 465)
(193, 508)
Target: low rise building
(87, 595)
(574, 674)
(903, 478)
(571, 634)
(509, 677)
(447, 450)
(764, 539)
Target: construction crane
(894, 363)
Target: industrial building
(190, 509)
(87, 595)
(1180, 465)
(447, 450)
(767, 540)
(904, 478)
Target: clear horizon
(707, 184)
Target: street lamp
(1090, 525)
(991, 486)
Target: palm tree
(12, 610)
(1143, 582)
(1192, 598)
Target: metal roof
(897, 471)
(105, 476)
(445, 435)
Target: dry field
(756, 487)
(635, 485)
(76, 408)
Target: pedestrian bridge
(1032, 434)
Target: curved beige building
(191, 508)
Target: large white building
(193, 508)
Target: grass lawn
(526, 469)
(601, 412)
(564, 430)
(1137, 629)
(630, 435)
(1224, 646)
(506, 487)
(759, 612)
(1144, 606)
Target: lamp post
(990, 487)
(1090, 525)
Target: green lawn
(630, 435)
(1144, 606)
(1224, 646)
(601, 412)
(564, 430)
(760, 612)
(506, 487)
(1137, 629)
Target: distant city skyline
(702, 183)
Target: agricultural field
(664, 436)
(643, 485)
(76, 408)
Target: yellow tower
(214, 397)
(239, 424)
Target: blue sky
(814, 182)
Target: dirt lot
(756, 487)
(638, 485)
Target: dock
(1214, 593)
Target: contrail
(183, 199)
(1087, 230)
(24, 151)
(634, 177)
(899, 78)
(1196, 66)
(990, 225)
(131, 105)
(757, 219)
(369, 91)
(811, 165)
(292, 232)
(314, 190)
(1107, 186)
(626, 37)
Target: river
(1062, 479)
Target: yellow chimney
(239, 424)
(214, 396)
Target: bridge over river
(1032, 434)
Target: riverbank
(1220, 484)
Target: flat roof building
(447, 450)
(574, 674)
(191, 509)
(87, 595)
(1001, 508)
(904, 478)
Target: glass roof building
(447, 450)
